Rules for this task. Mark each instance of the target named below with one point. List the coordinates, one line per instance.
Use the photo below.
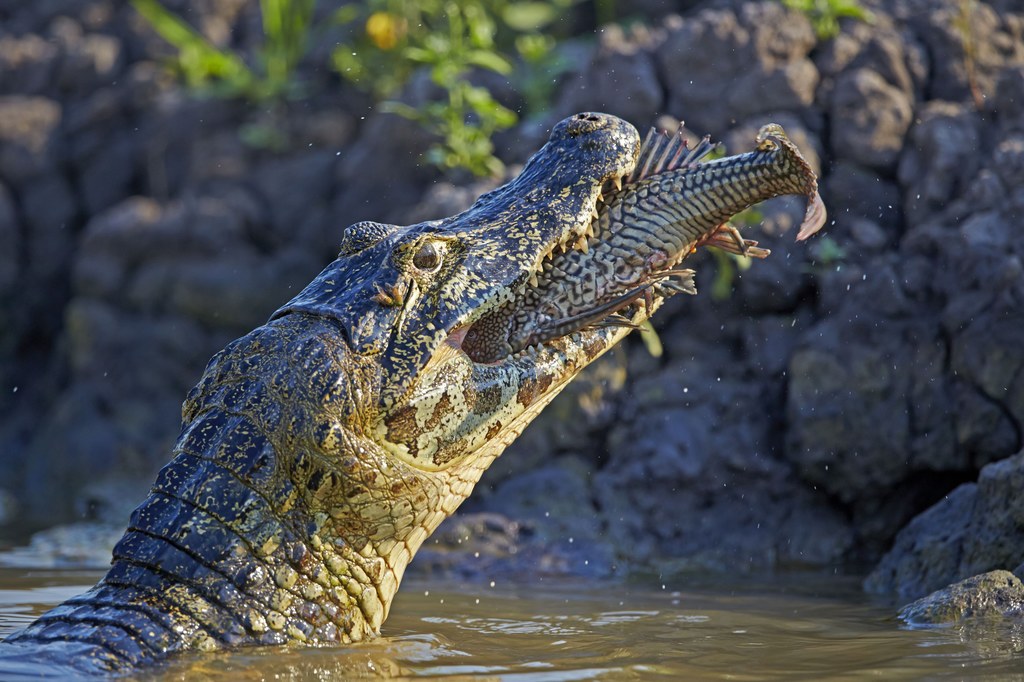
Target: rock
(869, 119)
(369, 189)
(289, 211)
(491, 539)
(556, 503)
(880, 46)
(941, 156)
(969, 45)
(90, 61)
(1008, 103)
(10, 247)
(621, 79)
(853, 191)
(51, 211)
(869, 234)
(112, 244)
(978, 527)
(108, 176)
(29, 127)
(555, 499)
(725, 65)
(869, 419)
(84, 545)
(983, 428)
(985, 354)
(993, 594)
(693, 478)
(28, 63)
(8, 507)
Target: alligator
(319, 451)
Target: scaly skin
(319, 451)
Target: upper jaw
(574, 235)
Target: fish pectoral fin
(727, 238)
(676, 281)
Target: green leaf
(489, 60)
(419, 54)
(533, 47)
(400, 108)
(528, 16)
(652, 342)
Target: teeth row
(579, 242)
(531, 350)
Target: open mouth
(643, 223)
(489, 338)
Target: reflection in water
(807, 630)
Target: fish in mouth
(644, 225)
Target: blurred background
(172, 172)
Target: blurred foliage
(455, 43)
(827, 251)
(209, 69)
(391, 39)
(652, 342)
(824, 15)
(468, 114)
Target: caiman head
(419, 300)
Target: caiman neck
(276, 521)
(319, 521)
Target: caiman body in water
(319, 451)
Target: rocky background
(856, 401)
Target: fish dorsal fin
(662, 151)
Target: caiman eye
(427, 257)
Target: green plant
(727, 266)
(651, 340)
(469, 116)
(824, 15)
(209, 69)
(392, 38)
(828, 251)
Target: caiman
(319, 451)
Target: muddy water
(800, 628)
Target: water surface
(800, 628)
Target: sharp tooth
(593, 213)
(600, 194)
(618, 182)
(533, 280)
(581, 244)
